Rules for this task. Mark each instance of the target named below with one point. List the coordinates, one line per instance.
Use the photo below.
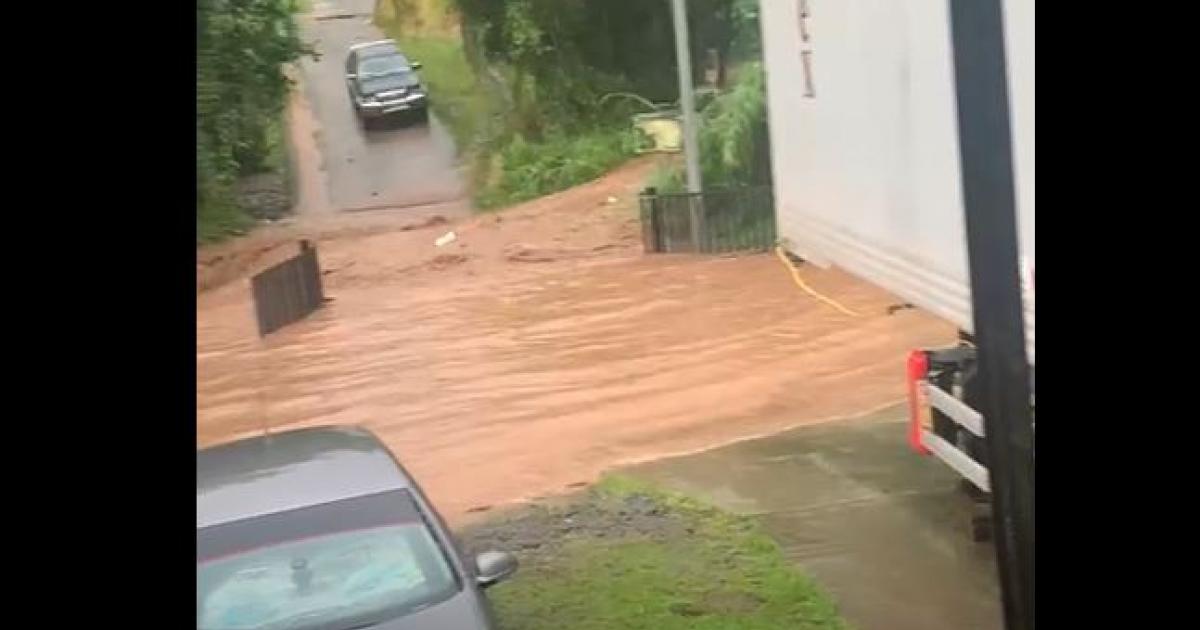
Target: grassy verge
(456, 95)
(219, 220)
(631, 557)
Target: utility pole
(989, 197)
(687, 96)
(687, 107)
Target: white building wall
(866, 168)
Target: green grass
(220, 220)
(666, 179)
(727, 574)
(458, 98)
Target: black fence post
(650, 231)
(989, 197)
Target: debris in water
(446, 239)
(445, 261)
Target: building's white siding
(867, 169)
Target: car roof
(284, 471)
(373, 49)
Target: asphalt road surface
(394, 165)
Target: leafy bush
(523, 91)
(242, 47)
(733, 138)
(529, 170)
(667, 178)
(734, 143)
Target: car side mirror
(416, 65)
(492, 567)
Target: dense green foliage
(734, 140)
(578, 49)
(528, 170)
(533, 117)
(242, 47)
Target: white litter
(446, 239)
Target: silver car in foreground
(323, 529)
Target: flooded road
(542, 348)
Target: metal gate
(289, 291)
(711, 222)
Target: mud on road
(542, 348)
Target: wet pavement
(883, 530)
(390, 165)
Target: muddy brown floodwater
(543, 348)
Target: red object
(918, 366)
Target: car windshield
(383, 64)
(341, 565)
(384, 73)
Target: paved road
(396, 166)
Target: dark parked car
(323, 529)
(383, 82)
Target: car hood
(388, 83)
(464, 611)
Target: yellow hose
(807, 289)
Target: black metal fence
(289, 291)
(711, 222)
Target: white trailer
(865, 155)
